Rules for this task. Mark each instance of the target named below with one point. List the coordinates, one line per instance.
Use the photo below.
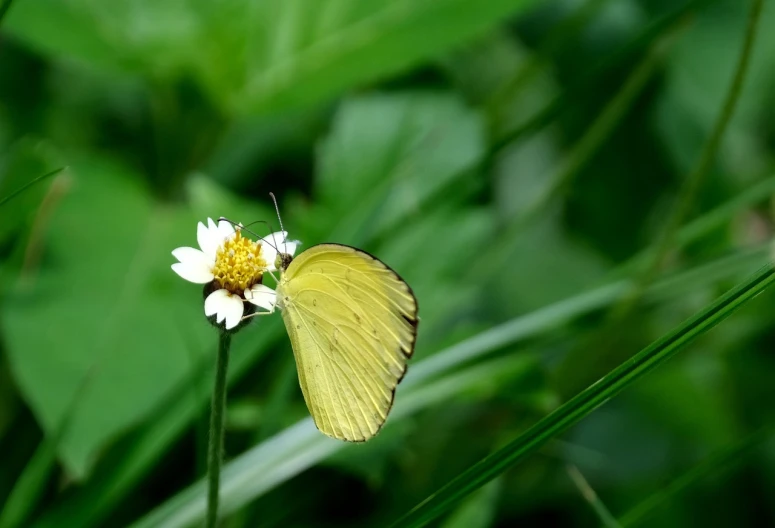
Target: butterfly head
(283, 261)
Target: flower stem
(215, 449)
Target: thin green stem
(589, 494)
(611, 116)
(215, 450)
(34, 180)
(691, 186)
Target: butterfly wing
(353, 324)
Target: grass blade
(587, 401)
(589, 494)
(693, 183)
(27, 490)
(33, 181)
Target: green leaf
(372, 177)
(587, 401)
(255, 56)
(308, 52)
(91, 37)
(95, 334)
(544, 265)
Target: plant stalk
(690, 188)
(215, 448)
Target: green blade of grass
(587, 401)
(601, 510)
(28, 488)
(33, 181)
(705, 224)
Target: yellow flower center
(238, 264)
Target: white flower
(235, 265)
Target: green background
(515, 161)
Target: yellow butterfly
(353, 324)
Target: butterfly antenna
(279, 219)
(277, 210)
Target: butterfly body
(352, 322)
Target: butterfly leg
(254, 314)
(277, 281)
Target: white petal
(233, 310)
(275, 239)
(188, 254)
(225, 230)
(215, 303)
(262, 296)
(225, 306)
(194, 266)
(269, 255)
(290, 246)
(196, 275)
(208, 238)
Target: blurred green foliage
(511, 159)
